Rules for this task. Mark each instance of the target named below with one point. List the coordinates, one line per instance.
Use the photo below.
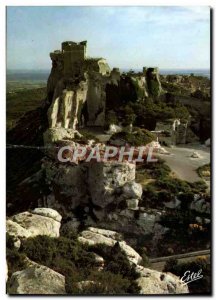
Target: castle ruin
(80, 89)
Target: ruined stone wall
(177, 132)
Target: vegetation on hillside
(204, 171)
(20, 102)
(138, 137)
(76, 262)
(199, 265)
(160, 187)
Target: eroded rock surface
(36, 280)
(154, 282)
(95, 236)
(41, 221)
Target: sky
(176, 37)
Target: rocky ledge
(35, 278)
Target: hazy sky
(128, 37)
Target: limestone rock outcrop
(67, 184)
(94, 236)
(200, 205)
(154, 282)
(99, 183)
(106, 180)
(105, 193)
(132, 190)
(47, 212)
(36, 280)
(63, 111)
(41, 221)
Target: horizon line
(121, 68)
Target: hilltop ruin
(81, 89)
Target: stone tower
(74, 55)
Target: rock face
(41, 221)
(102, 183)
(94, 236)
(36, 280)
(154, 282)
(16, 230)
(53, 135)
(200, 205)
(105, 193)
(102, 194)
(63, 111)
(67, 185)
(132, 190)
(106, 179)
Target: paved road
(159, 263)
(181, 162)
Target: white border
(3, 5)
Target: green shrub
(15, 261)
(150, 197)
(201, 286)
(139, 137)
(198, 186)
(86, 136)
(102, 283)
(204, 171)
(182, 113)
(52, 251)
(111, 118)
(77, 263)
(173, 185)
(170, 265)
(186, 199)
(117, 277)
(9, 241)
(115, 260)
(68, 233)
